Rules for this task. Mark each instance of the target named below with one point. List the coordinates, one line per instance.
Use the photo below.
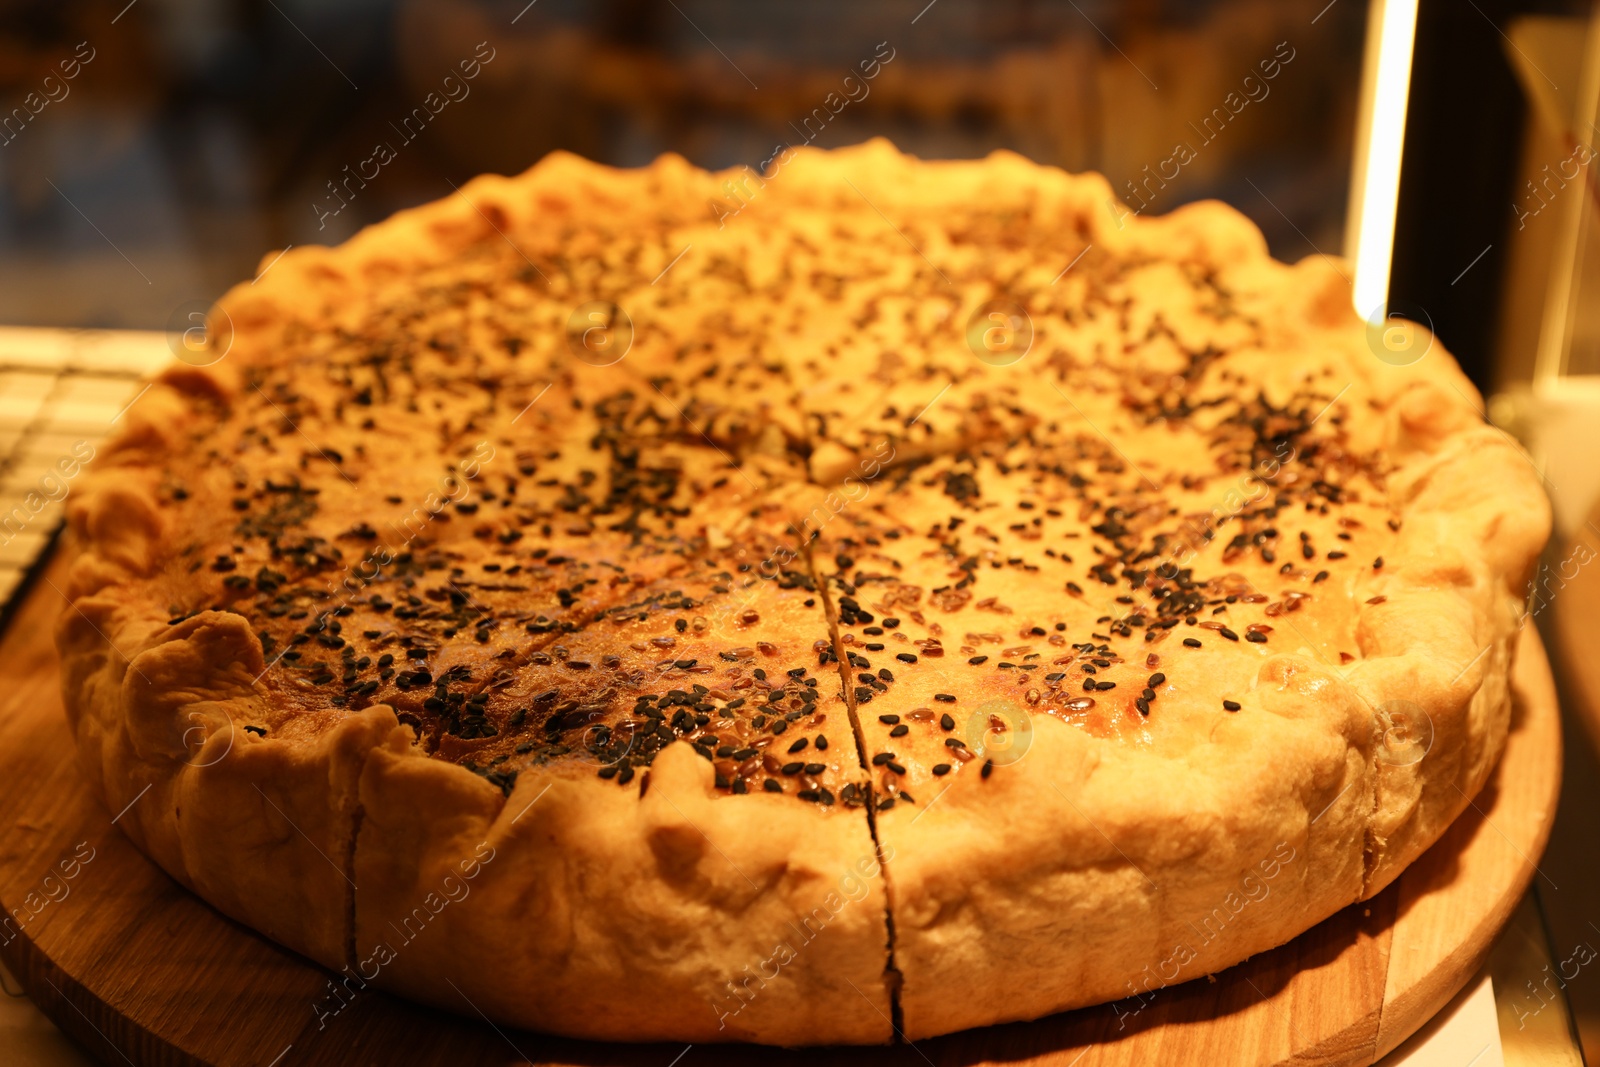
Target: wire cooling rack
(62, 392)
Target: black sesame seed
(772, 785)
(1189, 642)
(900, 731)
(988, 768)
(793, 768)
(797, 746)
(1231, 705)
(1157, 678)
(945, 697)
(946, 722)
(1256, 636)
(941, 769)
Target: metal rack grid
(61, 393)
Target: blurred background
(197, 135)
(204, 133)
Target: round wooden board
(139, 971)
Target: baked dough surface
(576, 603)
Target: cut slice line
(891, 973)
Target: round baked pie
(880, 595)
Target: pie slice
(1015, 704)
(669, 812)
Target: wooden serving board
(138, 971)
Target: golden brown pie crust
(802, 676)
